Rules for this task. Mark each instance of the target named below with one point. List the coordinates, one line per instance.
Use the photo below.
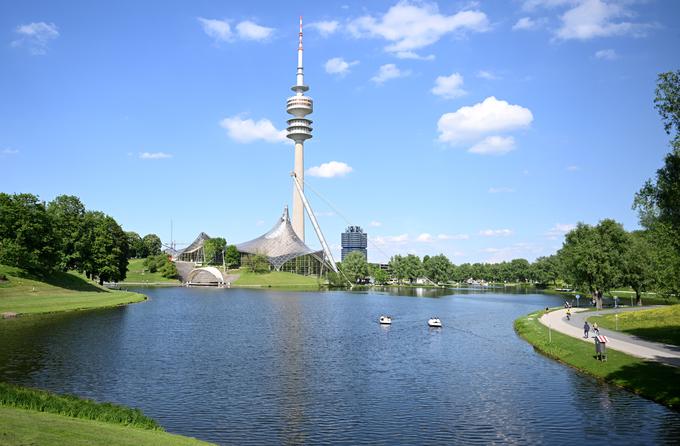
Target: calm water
(251, 367)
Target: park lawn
(658, 324)
(24, 293)
(136, 273)
(275, 279)
(652, 380)
(28, 427)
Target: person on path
(586, 330)
(568, 314)
(596, 329)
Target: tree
(66, 213)
(397, 266)
(413, 267)
(380, 276)
(520, 270)
(27, 237)
(213, 248)
(232, 258)
(640, 267)
(667, 101)
(135, 245)
(546, 270)
(152, 245)
(437, 268)
(355, 267)
(105, 245)
(256, 263)
(593, 257)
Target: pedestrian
(586, 329)
(596, 329)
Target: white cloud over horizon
(247, 130)
(339, 66)
(387, 72)
(588, 19)
(324, 27)
(154, 155)
(410, 26)
(495, 232)
(35, 37)
(608, 54)
(375, 224)
(449, 87)
(248, 30)
(220, 30)
(8, 151)
(494, 145)
(330, 169)
(559, 230)
(453, 237)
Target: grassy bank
(138, 274)
(21, 427)
(275, 279)
(658, 325)
(24, 293)
(655, 381)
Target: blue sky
(481, 130)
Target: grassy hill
(658, 325)
(24, 293)
(277, 279)
(138, 274)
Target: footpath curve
(632, 345)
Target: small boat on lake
(434, 322)
(385, 320)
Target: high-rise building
(299, 130)
(354, 239)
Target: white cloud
(8, 151)
(449, 87)
(35, 36)
(411, 26)
(259, 223)
(573, 168)
(375, 224)
(338, 65)
(330, 170)
(247, 130)
(424, 238)
(412, 55)
(453, 237)
(248, 30)
(487, 75)
(598, 18)
(527, 24)
(220, 30)
(501, 190)
(495, 232)
(387, 72)
(494, 145)
(154, 155)
(607, 54)
(325, 27)
(559, 230)
(390, 239)
(527, 251)
(217, 29)
(470, 123)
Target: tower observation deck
(299, 130)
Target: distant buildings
(354, 239)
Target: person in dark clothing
(586, 329)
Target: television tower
(299, 130)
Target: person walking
(586, 330)
(596, 329)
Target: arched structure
(208, 275)
(193, 252)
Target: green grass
(275, 279)
(27, 427)
(651, 380)
(72, 406)
(24, 293)
(658, 325)
(138, 274)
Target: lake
(249, 366)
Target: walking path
(623, 342)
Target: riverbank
(22, 293)
(37, 417)
(651, 380)
(656, 325)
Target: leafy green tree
(521, 270)
(27, 238)
(256, 263)
(355, 267)
(437, 268)
(152, 245)
(546, 270)
(66, 213)
(105, 245)
(135, 245)
(413, 267)
(232, 258)
(380, 276)
(213, 250)
(162, 264)
(594, 257)
(667, 101)
(397, 267)
(640, 268)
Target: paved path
(623, 342)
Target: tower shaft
(298, 206)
